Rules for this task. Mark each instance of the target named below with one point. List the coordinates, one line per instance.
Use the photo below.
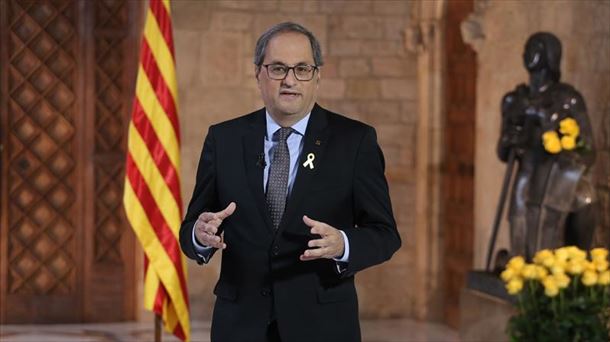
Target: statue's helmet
(543, 51)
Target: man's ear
(257, 70)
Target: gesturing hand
(329, 246)
(207, 225)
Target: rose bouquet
(564, 295)
(566, 138)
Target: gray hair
(263, 40)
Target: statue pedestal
(483, 317)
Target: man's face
(288, 97)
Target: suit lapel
(253, 150)
(316, 139)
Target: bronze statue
(546, 128)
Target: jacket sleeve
(204, 198)
(375, 238)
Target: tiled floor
(372, 331)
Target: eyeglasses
(302, 72)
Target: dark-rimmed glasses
(302, 72)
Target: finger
(304, 257)
(210, 228)
(213, 241)
(206, 216)
(322, 229)
(213, 223)
(207, 238)
(219, 242)
(227, 211)
(218, 245)
(309, 222)
(316, 253)
(201, 228)
(204, 238)
(222, 240)
(318, 243)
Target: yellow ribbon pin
(309, 161)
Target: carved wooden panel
(602, 177)
(112, 91)
(110, 125)
(67, 70)
(41, 109)
(458, 163)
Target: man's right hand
(207, 225)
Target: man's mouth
(289, 94)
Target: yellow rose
(588, 266)
(562, 253)
(576, 266)
(568, 142)
(559, 266)
(549, 135)
(544, 257)
(569, 126)
(516, 263)
(599, 254)
(551, 142)
(589, 278)
(508, 274)
(514, 286)
(576, 253)
(604, 278)
(541, 272)
(600, 265)
(551, 289)
(541, 255)
(529, 271)
(562, 280)
(548, 262)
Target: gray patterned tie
(277, 182)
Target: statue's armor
(547, 187)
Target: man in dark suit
(296, 198)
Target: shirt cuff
(345, 257)
(201, 250)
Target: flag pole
(157, 327)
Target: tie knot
(282, 133)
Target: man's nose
(290, 79)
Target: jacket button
(265, 292)
(276, 250)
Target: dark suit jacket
(261, 275)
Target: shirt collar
(298, 127)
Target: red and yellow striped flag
(152, 197)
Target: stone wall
(583, 28)
(368, 75)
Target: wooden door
(67, 74)
(458, 163)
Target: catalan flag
(152, 197)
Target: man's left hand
(329, 246)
